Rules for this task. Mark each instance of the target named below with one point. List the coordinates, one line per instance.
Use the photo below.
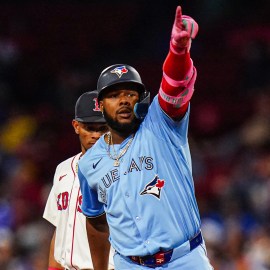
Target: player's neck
(83, 150)
(117, 137)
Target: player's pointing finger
(178, 17)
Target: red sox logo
(96, 107)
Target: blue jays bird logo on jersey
(154, 187)
(119, 71)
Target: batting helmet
(87, 109)
(119, 74)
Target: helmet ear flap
(144, 95)
(141, 108)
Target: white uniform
(63, 210)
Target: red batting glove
(184, 29)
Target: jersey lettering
(59, 207)
(110, 177)
(133, 165)
(63, 201)
(115, 175)
(149, 163)
(102, 192)
(141, 160)
(145, 163)
(107, 183)
(79, 204)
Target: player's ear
(76, 126)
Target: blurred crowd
(51, 53)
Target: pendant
(116, 163)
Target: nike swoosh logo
(60, 178)
(95, 165)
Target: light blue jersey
(149, 199)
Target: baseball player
(69, 246)
(139, 173)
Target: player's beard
(126, 128)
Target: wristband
(180, 50)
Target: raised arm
(179, 74)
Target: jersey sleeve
(91, 207)
(164, 127)
(50, 211)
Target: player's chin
(89, 145)
(125, 125)
(125, 120)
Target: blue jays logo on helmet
(119, 71)
(154, 187)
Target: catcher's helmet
(119, 74)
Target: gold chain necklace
(122, 152)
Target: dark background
(53, 51)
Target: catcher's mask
(123, 74)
